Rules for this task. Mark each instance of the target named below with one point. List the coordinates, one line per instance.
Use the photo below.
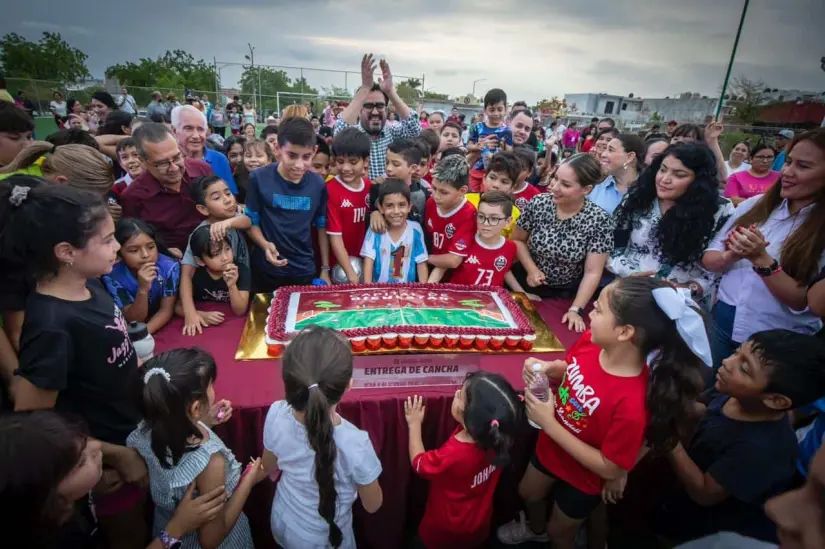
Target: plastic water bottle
(142, 341)
(540, 387)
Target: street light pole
(251, 58)
(476, 82)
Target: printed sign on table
(431, 370)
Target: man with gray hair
(160, 194)
(190, 128)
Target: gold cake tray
(253, 340)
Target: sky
(530, 48)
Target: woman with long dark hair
(669, 217)
(770, 252)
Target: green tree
(52, 58)
(265, 83)
(175, 70)
(409, 91)
(437, 96)
(747, 98)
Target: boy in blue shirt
(744, 451)
(284, 201)
(488, 136)
(399, 254)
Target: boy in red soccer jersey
(450, 219)
(489, 256)
(523, 192)
(348, 199)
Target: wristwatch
(168, 541)
(578, 310)
(768, 271)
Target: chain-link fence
(275, 88)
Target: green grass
(374, 318)
(44, 126)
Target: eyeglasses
(764, 158)
(371, 106)
(164, 165)
(491, 221)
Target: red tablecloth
(253, 385)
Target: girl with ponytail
(175, 395)
(630, 381)
(326, 462)
(464, 471)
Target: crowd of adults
(744, 236)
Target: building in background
(688, 107)
(776, 94)
(793, 114)
(625, 110)
(466, 105)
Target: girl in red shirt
(463, 473)
(609, 402)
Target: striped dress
(168, 486)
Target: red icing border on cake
(276, 321)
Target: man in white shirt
(126, 102)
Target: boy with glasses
(490, 256)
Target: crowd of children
(647, 379)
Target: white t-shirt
(58, 108)
(742, 167)
(559, 131)
(126, 104)
(295, 521)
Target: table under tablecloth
(254, 385)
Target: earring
(624, 166)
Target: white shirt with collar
(756, 307)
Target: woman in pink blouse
(758, 179)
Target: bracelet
(577, 310)
(168, 541)
(324, 267)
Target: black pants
(219, 130)
(265, 283)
